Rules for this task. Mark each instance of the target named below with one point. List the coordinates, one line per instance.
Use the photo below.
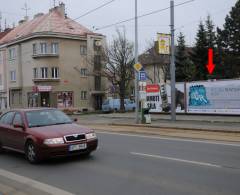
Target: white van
(110, 105)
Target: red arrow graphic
(210, 66)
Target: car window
(17, 119)
(46, 117)
(7, 118)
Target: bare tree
(119, 67)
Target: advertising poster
(219, 97)
(164, 41)
(158, 98)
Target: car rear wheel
(30, 153)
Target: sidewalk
(10, 187)
(186, 122)
(13, 184)
(197, 128)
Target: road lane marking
(172, 139)
(176, 159)
(33, 183)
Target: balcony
(46, 80)
(40, 55)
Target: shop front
(45, 96)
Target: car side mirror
(21, 126)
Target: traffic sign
(137, 66)
(142, 76)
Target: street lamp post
(136, 61)
(172, 67)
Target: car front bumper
(61, 150)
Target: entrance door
(98, 102)
(45, 99)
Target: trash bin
(146, 117)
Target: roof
(52, 22)
(5, 32)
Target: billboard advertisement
(164, 41)
(158, 98)
(219, 97)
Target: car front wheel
(30, 152)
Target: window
(17, 119)
(83, 49)
(64, 99)
(34, 48)
(44, 72)
(7, 118)
(98, 83)
(55, 72)
(43, 48)
(35, 73)
(97, 62)
(13, 75)
(12, 53)
(83, 72)
(54, 48)
(83, 95)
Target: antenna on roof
(26, 9)
(5, 23)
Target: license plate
(77, 147)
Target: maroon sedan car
(43, 133)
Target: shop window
(64, 99)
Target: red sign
(153, 88)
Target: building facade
(52, 61)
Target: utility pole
(172, 67)
(136, 61)
(0, 21)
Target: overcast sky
(187, 16)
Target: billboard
(158, 98)
(219, 97)
(164, 42)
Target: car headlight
(91, 136)
(58, 140)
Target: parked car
(44, 133)
(110, 105)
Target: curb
(180, 128)
(159, 119)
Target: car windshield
(38, 118)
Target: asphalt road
(136, 165)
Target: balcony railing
(39, 55)
(46, 79)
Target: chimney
(60, 8)
(38, 15)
